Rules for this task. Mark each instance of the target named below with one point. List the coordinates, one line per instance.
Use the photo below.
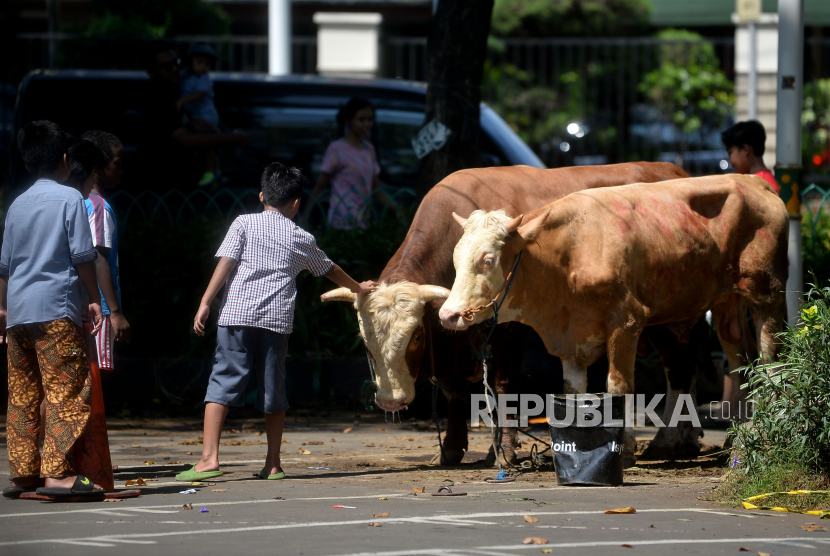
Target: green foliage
(790, 424)
(779, 478)
(688, 86)
(815, 240)
(570, 18)
(816, 121)
(150, 18)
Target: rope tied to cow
(469, 313)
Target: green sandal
(272, 477)
(192, 475)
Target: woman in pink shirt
(350, 168)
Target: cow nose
(450, 318)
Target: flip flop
(81, 487)
(192, 475)
(15, 491)
(271, 477)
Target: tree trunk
(456, 51)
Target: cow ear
(461, 221)
(531, 229)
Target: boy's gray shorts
(243, 352)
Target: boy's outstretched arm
(220, 276)
(339, 277)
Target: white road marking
(448, 518)
(634, 543)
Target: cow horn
(430, 293)
(340, 294)
(460, 219)
(513, 224)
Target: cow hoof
(629, 460)
(490, 459)
(449, 457)
(510, 455)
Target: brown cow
(598, 266)
(399, 322)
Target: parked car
(291, 119)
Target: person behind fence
(350, 167)
(104, 230)
(197, 103)
(47, 256)
(745, 143)
(259, 261)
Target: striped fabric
(270, 251)
(103, 345)
(104, 231)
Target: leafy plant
(688, 86)
(790, 424)
(815, 119)
(570, 18)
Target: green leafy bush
(790, 424)
(815, 119)
(688, 85)
(570, 18)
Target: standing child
(47, 254)
(104, 230)
(259, 261)
(745, 143)
(351, 167)
(197, 102)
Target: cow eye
(417, 338)
(488, 261)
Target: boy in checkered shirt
(259, 260)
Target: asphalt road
(375, 467)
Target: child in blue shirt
(47, 255)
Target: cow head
(483, 258)
(391, 325)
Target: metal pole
(279, 37)
(53, 30)
(788, 136)
(753, 72)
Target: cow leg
(769, 321)
(455, 442)
(622, 351)
(738, 345)
(508, 345)
(682, 441)
(575, 377)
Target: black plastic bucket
(588, 451)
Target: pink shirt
(352, 173)
(767, 175)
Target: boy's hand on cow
(201, 319)
(96, 316)
(366, 287)
(120, 326)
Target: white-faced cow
(599, 266)
(399, 322)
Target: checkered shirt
(270, 251)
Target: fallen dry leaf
(626, 510)
(187, 506)
(813, 527)
(531, 519)
(188, 453)
(384, 514)
(313, 443)
(547, 551)
(303, 451)
(139, 482)
(258, 433)
(383, 498)
(284, 441)
(626, 546)
(219, 490)
(135, 446)
(535, 540)
(652, 526)
(237, 442)
(347, 430)
(381, 429)
(745, 549)
(763, 554)
(211, 484)
(278, 498)
(191, 442)
(113, 499)
(374, 524)
(149, 462)
(197, 483)
(569, 519)
(419, 490)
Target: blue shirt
(104, 232)
(204, 107)
(47, 236)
